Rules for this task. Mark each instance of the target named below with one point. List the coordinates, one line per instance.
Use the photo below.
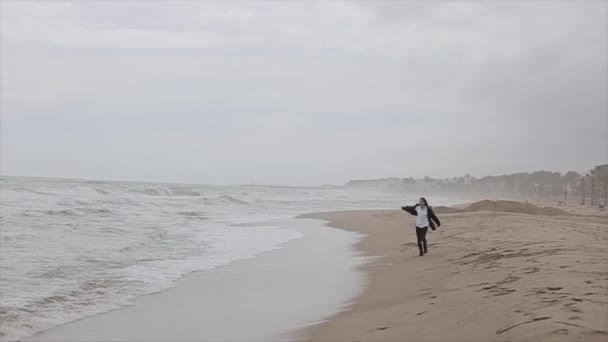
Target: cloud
(301, 92)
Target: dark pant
(421, 235)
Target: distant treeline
(590, 187)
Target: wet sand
(258, 299)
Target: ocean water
(73, 248)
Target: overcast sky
(301, 92)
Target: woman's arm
(411, 210)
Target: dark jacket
(431, 214)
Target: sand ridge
(514, 207)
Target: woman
(425, 218)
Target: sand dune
(514, 207)
(502, 206)
(499, 271)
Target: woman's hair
(426, 204)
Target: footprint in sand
(554, 288)
(421, 313)
(503, 291)
(501, 331)
(550, 301)
(478, 284)
(561, 332)
(530, 270)
(572, 307)
(382, 328)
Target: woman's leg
(423, 238)
(419, 237)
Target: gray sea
(76, 248)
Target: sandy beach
(489, 276)
(495, 271)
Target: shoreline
(264, 298)
(487, 276)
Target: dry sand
(498, 275)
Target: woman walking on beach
(425, 218)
